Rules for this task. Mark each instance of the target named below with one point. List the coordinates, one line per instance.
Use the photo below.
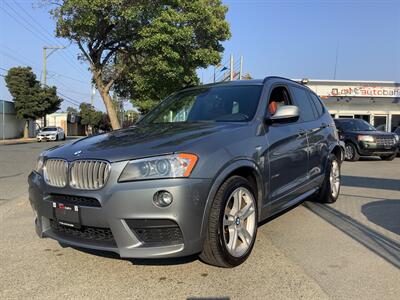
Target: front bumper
(46, 138)
(371, 149)
(120, 207)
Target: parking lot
(348, 250)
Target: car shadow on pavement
(385, 213)
(385, 247)
(370, 182)
(137, 261)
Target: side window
(317, 103)
(279, 97)
(305, 106)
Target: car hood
(373, 133)
(141, 141)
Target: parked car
(362, 139)
(195, 175)
(51, 134)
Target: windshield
(49, 129)
(216, 104)
(354, 125)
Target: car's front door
(287, 152)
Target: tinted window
(305, 106)
(49, 129)
(318, 104)
(218, 104)
(353, 125)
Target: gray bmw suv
(195, 176)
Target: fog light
(162, 198)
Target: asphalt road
(348, 250)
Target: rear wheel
(388, 157)
(330, 188)
(351, 153)
(232, 224)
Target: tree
(31, 100)
(72, 110)
(90, 116)
(156, 45)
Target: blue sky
(295, 39)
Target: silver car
(194, 176)
(51, 134)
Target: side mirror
(285, 114)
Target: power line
(34, 30)
(25, 62)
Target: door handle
(324, 125)
(301, 132)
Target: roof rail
(278, 77)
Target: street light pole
(45, 56)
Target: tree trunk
(26, 129)
(104, 93)
(112, 114)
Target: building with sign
(377, 102)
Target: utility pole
(214, 74)
(231, 68)
(4, 115)
(45, 56)
(241, 68)
(92, 95)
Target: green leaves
(31, 100)
(144, 49)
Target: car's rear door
(314, 126)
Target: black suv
(362, 139)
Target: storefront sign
(356, 91)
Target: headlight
(396, 138)
(168, 166)
(39, 164)
(366, 138)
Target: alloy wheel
(349, 153)
(239, 222)
(334, 178)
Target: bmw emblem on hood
(77, 153)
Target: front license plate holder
(67, 214)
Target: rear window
(317, 103)
(304, 103)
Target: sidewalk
(17, 141)
(30, 140)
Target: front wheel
(351, 153)
(330, 188)
(232, 224)
(388, 157)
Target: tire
(57, 137)
(388, 157)
(351, 153)
(64, 137)
(327, 194)
(218, 245)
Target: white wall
(13, 127)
